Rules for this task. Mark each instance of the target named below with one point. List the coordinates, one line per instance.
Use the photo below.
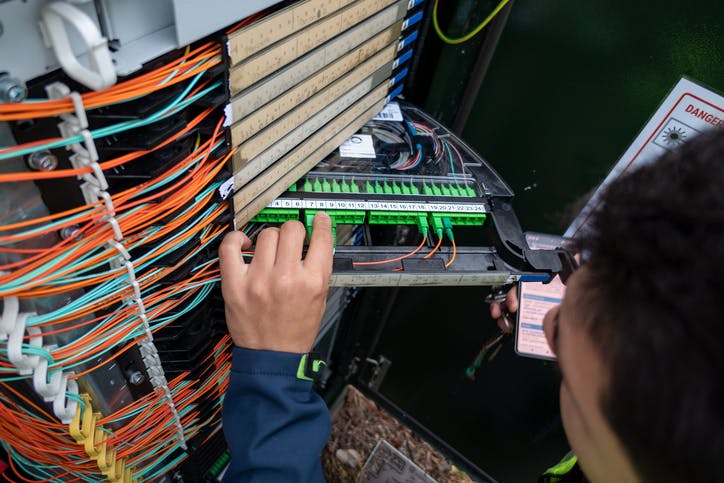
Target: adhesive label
(358, 146)
(391, 112)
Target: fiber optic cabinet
(134, 135)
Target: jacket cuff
(265, 363)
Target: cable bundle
(131, 263)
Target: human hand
(276, 302)
(502, 311)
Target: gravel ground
(357, 427)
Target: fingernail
(322, 215)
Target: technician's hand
(503, 312)
(276, 302)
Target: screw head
(136, 378)
(12, 90)
(69, 231)
(43, 161)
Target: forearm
(275, 424)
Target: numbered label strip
(315, 204)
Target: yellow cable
(472, 34)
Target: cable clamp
(64, 407)
(47, 387)
(55, 17)
(24, 363)
(11, 308)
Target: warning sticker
(687, 111)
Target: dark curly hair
(655, 255)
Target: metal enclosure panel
(131, 20)
(143, 30)
(22, 51)
(197, 18)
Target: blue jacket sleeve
(276, 426)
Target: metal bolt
(135, 377)
(69, 231)
(12, 90)
(43, 160)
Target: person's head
(640, 332)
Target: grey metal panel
(144, 30)
(197, 18)
(22, 51)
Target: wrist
(292, 347)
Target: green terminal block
(219, 464)
(275, 215)
(339, 217)
(399, 218)
(442, 222)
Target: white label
(358, 146)
(687, 111)
(226, 188)
(314, 204)
(391, 112)
(228, 116)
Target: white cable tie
(24, 363)
(65, 407)
(100, 177)
(90, 145)
(89, 193)
(11, 308)
(79, 108)
(108, 201)
(57, 90)
(158, 382)
(120, 249)
(131, 274)
(67, 130)
(80, 158)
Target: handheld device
(535, 299)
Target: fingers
(291, 242)
(511, 300)
(265, 253)
(230, 258)
(321, 245)
(496, 311)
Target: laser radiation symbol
(673, 136)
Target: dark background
(570, 85)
